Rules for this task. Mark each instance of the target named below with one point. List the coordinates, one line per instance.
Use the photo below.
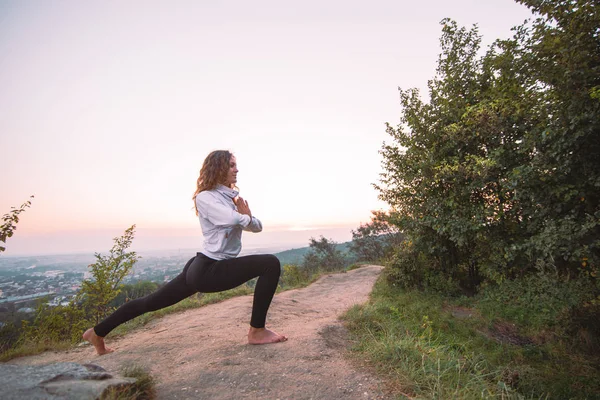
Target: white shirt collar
(229, 192)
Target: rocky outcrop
(65, 380)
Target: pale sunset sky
(108, 108)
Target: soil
(203, 353)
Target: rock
(63, 381)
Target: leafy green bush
(499, 169)
(323, 255)
(293, 276)
(108, 273)
(409, 269)
(9, 335)
(537, 301)
(55, 324)
(547, 301)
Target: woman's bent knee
(272, 264)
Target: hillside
(295, 256)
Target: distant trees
(323, 255)
(377, 239)
(499, 171)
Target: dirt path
(202, 353)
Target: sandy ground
(203, 353)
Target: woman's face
(231, 179)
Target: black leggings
(203, 274)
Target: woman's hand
(242, 206)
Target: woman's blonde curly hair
(213, 172)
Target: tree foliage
(55, 324)
(500, 168)
(10, 221)
(108, 273)
(324, 255)
(377, 239)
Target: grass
(29, 349)
(431, 347)
(142, 389)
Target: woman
(223, 215)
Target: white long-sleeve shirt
(221, 224)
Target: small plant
(142, 389)
(9, 222)
(293, 276)
(108, 273)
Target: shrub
(293, 276)
(323, 255)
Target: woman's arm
(220, 214)
(242, 205)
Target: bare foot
(264, 336)
(97, 341)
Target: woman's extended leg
(171, 293)
(208, 275)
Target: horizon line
(171, 249)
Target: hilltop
(202, 353)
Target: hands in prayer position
(242, 206)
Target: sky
(108, 109)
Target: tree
(323, 254)
(92, 302)
(108, 273)
(438, 177)
(499, 170)
(561, 50)
(9, 222)
(376, 239)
